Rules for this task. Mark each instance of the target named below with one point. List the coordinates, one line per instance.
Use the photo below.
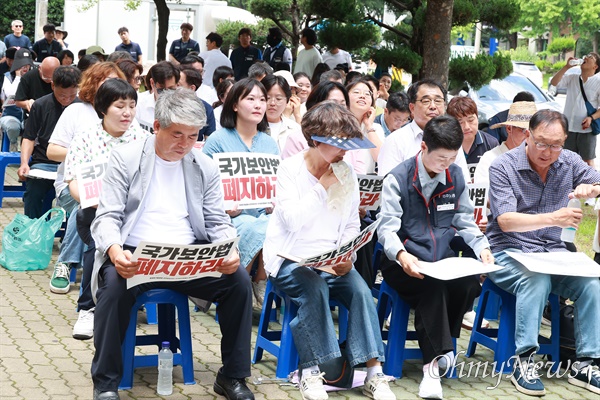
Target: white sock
(308, 371)
(372, 371)
(446, 360)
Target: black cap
(22, 58)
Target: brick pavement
(40, 360)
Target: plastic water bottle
(165, 370)
(575, 62)
(568, 234)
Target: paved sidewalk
(40, 360)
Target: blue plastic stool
(167, 301)
(396, 351)
(6, 159)
(152, 314)
(286, 353)
(502, 340)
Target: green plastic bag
(27, 243)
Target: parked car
(498, 95)
(530, 70)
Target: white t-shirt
(575, 109)
(165, 217)
(217, 111)
(307, 61)
(482, 172)
(75, 119)
(207, 93)
(405, 143)
(144, 110)
(340, 57)
(212, 60)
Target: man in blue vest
(277, 53)
(434, 190)
(180, 48)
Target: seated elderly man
(160, 190)
(529, 190)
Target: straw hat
(519, 115)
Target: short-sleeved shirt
(341, 57)
(516, 187)
(95, 145)
(43, 117)
(228, 140)
(179, 49)
(483, 142)
(212, 60)
(32, 86)
(307, 61)
(14, 41)
(44, 49)
(131, 48)
(241, 60)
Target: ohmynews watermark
(484, 369)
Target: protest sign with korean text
(325, 261)
(248, 179)
(89, 181)
(472, 167)
(478, 192)
(172, 262)
(370, 191)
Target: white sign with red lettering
(161, 262)
(325, 261)
(248, 179)
(89, 181)
(370, 187)
(478, 192)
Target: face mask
(273, 41)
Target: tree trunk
(512, 40)
(295, 39)
(436, 40)
(163, 27)
(595, 37)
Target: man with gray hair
(162, 190)
(17, 39)
(259, 70)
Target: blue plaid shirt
(516, 187)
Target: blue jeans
(313, 330)
(532, 290)
(71, 250)
(36, 191)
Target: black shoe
(232, 388)
(98, 395)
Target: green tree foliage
(476, 71)
(552, 15)
(348, 36)
(25, 11)
(503, 65)
(561, 45)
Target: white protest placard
(161, 262)
(455, 267)
(41, 174)
(478, 192)
(558, 263)
(248, 179)
(325, 261)
(370, 187)
(89, 181)
(472, 168)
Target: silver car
(498, 95)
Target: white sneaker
(469, 320)
(431, 385)
(311, 386)
(590, 202)
(378, 388)
(84, 327)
